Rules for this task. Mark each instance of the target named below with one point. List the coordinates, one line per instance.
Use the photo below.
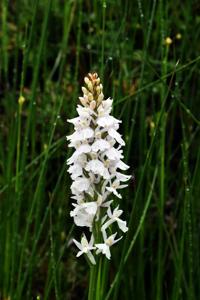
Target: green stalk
(155, 82)
(17, 204)
(142, 100)
(39, 232)
(103, 38)
(37, 192)
(31, 121)
(54, 147)
(78, 50)
(161, 154)
(99, 282)
(63, 251)
(126, 252)
(4, 38)
(91, 292)
(52, 250)
(60, 61)
(105, 270)
(146, 164)
(95, 270)
(188, 217)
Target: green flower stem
(99, 277)
(91, 292)
(97, 280)
(104, 276)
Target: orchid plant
(95, 168)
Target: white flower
(114, 217)
(105, 107)
(113, 133)
(85, 248)
(114, 186)
(81, 159)
(81, 135)
(122, 166)
(85, 112)
(105, 247)
(122, 177)
(107, 121)
(80, 122)
(80, 185)
(101, 145)
(97, 167)
(75, 171)
(84, 148)
(84, 213)
(114, 154)
(79, 198)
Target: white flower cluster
(95, 170)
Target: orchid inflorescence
(94, 169)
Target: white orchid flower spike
(95, 169)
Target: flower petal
(78, 245)
(113, 133)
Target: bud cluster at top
(93, 94)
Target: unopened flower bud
(98, 90)
(90, 86)
(90, 97)
(100, 98)
(98, 81)
(86, 79)
(92, 104)
(88, 83)
(85, 91)
(83, 101)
